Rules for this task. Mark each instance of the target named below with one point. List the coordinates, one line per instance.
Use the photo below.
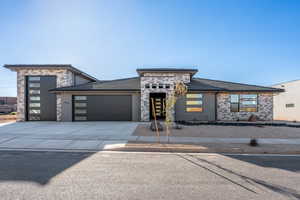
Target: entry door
(41, 104)
(157, 105)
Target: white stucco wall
(290, 96)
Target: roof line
(68, 66)
(235, 83)
(121, 79)
(286, 82)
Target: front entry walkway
(66, 135)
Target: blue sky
(249, 41)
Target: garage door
(102, 108)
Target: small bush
(253, 142)
(13, 113)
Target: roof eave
(95, 90)
(66, 66)
(216, 90)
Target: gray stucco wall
(78, 80)
(136, 107)
(66, 102)
(208, 113)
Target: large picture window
(194, 102)
(243, 102)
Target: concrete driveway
(66, 135)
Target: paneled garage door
(102, 108)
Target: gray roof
(197, 84)
(215, 85)
(127, 84)
(51, 66)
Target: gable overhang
(142, 71)
(51, 67)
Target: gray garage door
(102, 108)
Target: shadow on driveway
(37, 167)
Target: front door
(157, 105)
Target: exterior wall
(208, 113)
(136, 107)
(290, 96)
(64, 78)
(158, 78)
(78, 80)
(66, 107)
(265, 108)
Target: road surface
(114, 175)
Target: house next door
(157, 105)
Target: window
(80, 105)
(290, 105)
(160, 86)
(147, 86)
(243, 103)
(234, 103)
(80, 111)
(34, 85)
(193, 96)
(33, 118)
(35, 98)
(80, 98)
(34, 78)
(80, 118)
(154, 86)
(167, 86)
(34, 91)
(194, 102)
(35, 105)
(195, 109)
(34, 111)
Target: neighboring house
(8, 104)
(287, 104)
(64, 93)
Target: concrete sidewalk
(200, 140)
(98, 136)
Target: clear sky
(249, 41)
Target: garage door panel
(109, 108)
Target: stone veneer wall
(265, 108)
(63, 78)
(158, 78)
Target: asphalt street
(114, 175)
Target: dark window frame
(242, 99)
